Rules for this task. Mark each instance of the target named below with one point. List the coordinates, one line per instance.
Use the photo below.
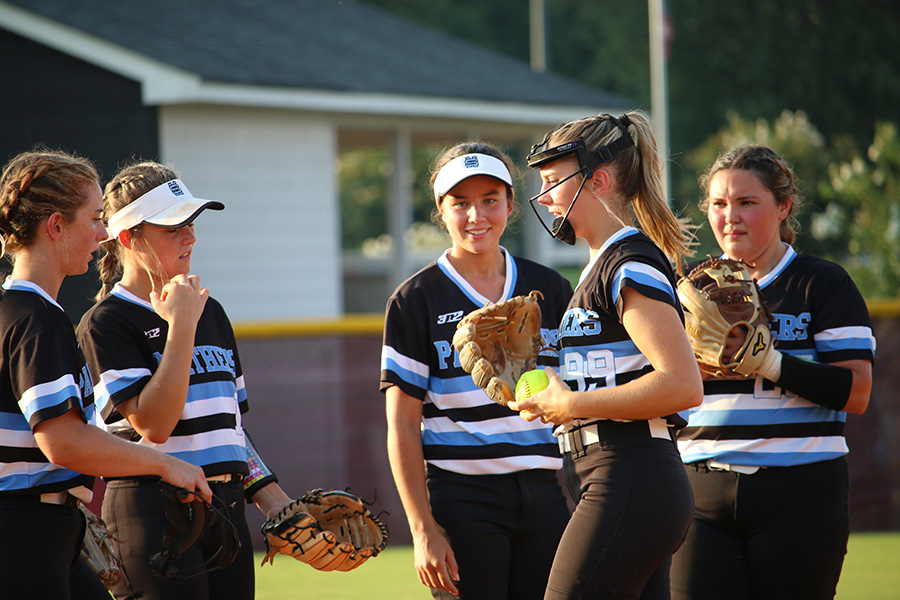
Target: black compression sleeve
(823, 384)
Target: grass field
(870, 573)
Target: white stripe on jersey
(772, 452)
(513, 423)
(199, 441)
(49, 394)
(641, 273)
(390, 357)
(497, 466)
(862, 335)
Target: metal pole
(658, 85)
(399, 207)
(537, 29)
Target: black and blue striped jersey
(596, 350)
(42, 376)
(463, 430)
(819, 315)
(123, 340)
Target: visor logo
(175, 189)
(471, 162)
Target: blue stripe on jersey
(641, 275)
(13, 422)
(36, 475)
(802, 414)
(767, 459)
(211, 456)
(210, 390)
(530, 437)
(47, 395)
(451, 385)
(114, 381)
(825, 344)
(410, 371)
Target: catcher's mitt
(98, 550)
(719, 295)
(499, 342)
(330, 531)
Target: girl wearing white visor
(487, 510)
(168, 376)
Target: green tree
(863, 200)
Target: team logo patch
(470, 162)
(175, 189)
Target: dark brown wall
(318, 418)
(57, 101)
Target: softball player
(487, 510)
(766, 456)
(169, 377)
(626, 365)
(50, 208)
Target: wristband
(771, 365)
(260, 474)
(822, 384)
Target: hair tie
(625, 120)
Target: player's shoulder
(814, 267)
(420, 284)
(24, 305)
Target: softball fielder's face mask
(190, 522)
(541, 155)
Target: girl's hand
(181, 300)
(554, 404)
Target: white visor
(469, 165)
(169, 205)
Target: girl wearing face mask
(626, 366)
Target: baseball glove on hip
(330, 531)
(719, 295)
(98, 550)
(499, 342)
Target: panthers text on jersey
(123, 340)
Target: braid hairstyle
(129, 184)
(638, 179)
(36, 184)
(473, 147)
(771, 170)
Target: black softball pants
(40, 547)
(134, 512)
(780, 533)
(633, 511)
(503, 530)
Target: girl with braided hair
(50, 223)
(766, 455)
(626, 366)
(169, 377)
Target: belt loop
(577, 443)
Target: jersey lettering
(451, 317)
(578, 322)
(792, 328)
(444, 351)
